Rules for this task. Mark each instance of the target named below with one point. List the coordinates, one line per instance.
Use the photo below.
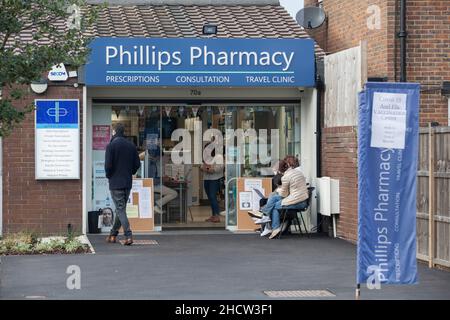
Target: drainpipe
(402, 35)
(319, 131)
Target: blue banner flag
(387, 170)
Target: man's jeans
(120, 198)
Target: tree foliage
(34, 36)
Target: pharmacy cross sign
(57, 112)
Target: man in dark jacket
(121, 162)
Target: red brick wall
(428, 44)
(339, 161)
(45, 207)
(428, 47)
(428, 61)
(347, 26)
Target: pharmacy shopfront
(157, 86)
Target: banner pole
(431, 197)
(358, 291)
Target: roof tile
(170, 21)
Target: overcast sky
(292, 6)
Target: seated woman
(292, 194)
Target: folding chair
(289, 215)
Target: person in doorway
(166, 194)
(292, 194)
(212, 175)
(121, 163)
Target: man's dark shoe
(111, 239)
(128, 242)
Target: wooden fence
(433, 196)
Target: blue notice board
(57, 139)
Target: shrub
(8, 243)
(74, 246)
(23, 248)
(24, 243)
(43, 248)
(57, 246)
(23, 237)
(3, 249)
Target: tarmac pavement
(205, 265)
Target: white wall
(448, 122)
(309, 143)
(87, 158)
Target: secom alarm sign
(201, 62)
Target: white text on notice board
(388, 120)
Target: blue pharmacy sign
(57, 139)
(56, 114)
(387, 169)
(201, 62)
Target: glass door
(270, 132)
(232, 168)
(189, 204)
(151, 153)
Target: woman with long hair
(292, 194)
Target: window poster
(101, 134)
(101, 195)
(245, 200)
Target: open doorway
(196, 197)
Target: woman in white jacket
(292, 194)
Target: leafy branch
(34, 36)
